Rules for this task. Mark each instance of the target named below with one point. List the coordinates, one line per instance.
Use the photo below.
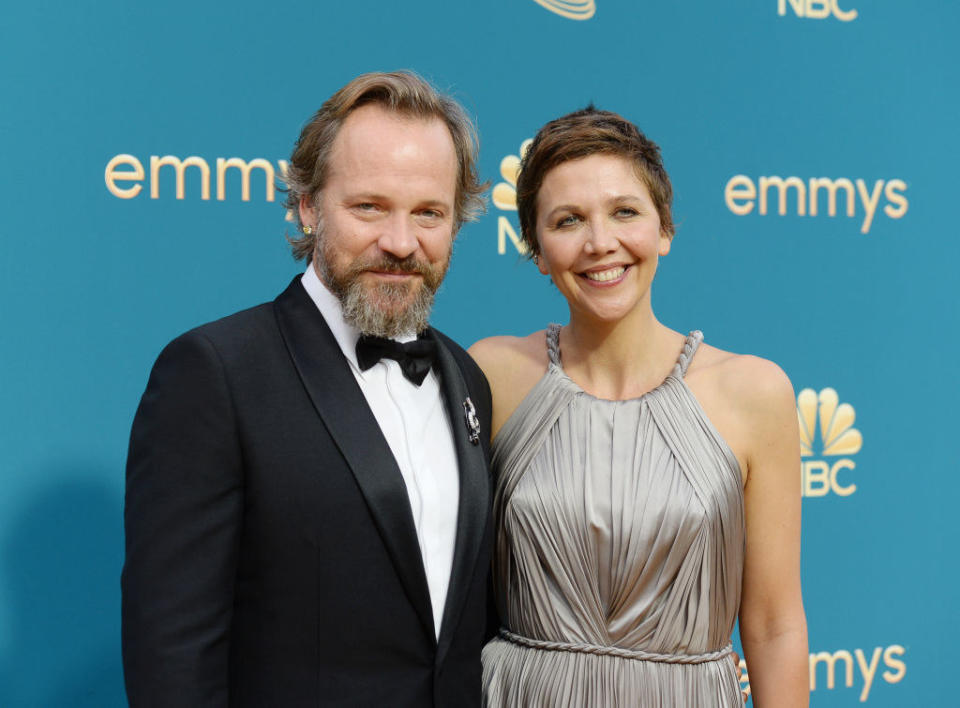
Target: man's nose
(399, 237)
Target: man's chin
(392, 297)
(387, 311)
(377, 278)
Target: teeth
(605, 275)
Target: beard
(388, 310)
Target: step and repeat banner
(813, 149)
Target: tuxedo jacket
(271, 557)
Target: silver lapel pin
(473, 424)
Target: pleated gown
(619, 549)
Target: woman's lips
(606, 276)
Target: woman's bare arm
(773, 626)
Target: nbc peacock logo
(571, 9)
(504, 197)
(823, 414)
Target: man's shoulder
(247, 324)
(464, 360)
(476, 380)
(235, 337)
(239, 325)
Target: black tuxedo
(272, 558)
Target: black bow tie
(415, 358)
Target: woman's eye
(626, 212)
(567, 221)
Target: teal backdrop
(763, 109)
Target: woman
(647, 482)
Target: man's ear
(308, 213)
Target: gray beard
(381, 311)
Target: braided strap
(553, 343)
(617, 651)
(690, 346)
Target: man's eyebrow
(364, 196)
(435, 202)
(360, 194)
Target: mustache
(391, 264)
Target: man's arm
(182, 517)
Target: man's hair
(577, 135)
(402, 92)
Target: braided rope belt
(617, 651)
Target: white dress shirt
(417, 428)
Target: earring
(536, 259)
(307, 230)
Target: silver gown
(619, 549)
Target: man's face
(386, 219)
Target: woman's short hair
(577, 135)
(405, 93)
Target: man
(307, 523)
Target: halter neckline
(689, 348)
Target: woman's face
(599, 235)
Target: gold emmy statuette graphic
(838, 439)
(504, 197)
(571, 9)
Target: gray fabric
(619, 549)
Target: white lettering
(179, 167)
(894, 194)
(831, 660)
(816, 9)
(245, 169)
(842, 15)
(740, 187)
(868, 672)
(831, 185)
(505, 229)
(795, 5)
(869, 201)
(782, 186)
(834, 485)
(888, 659)
(111, 176)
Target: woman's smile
(605, 276)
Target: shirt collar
(329, 306)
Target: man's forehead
(373, 125)
(375, 141)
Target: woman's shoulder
(504, 354)
(512, 365)
(750, 401)
(755, 385)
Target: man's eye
(432, 213)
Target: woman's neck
(620, 359)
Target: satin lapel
(341, 405)
(473, 507)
